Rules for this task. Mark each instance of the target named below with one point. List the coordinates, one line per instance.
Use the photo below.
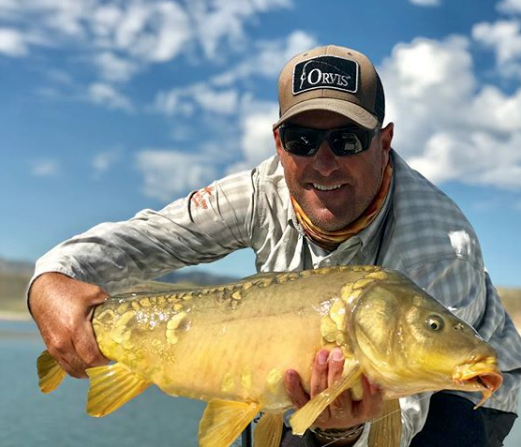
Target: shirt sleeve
(204, 226)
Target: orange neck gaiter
(329, 240)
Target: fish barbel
(230, 345)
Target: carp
(230, 345)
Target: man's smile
(326, 187)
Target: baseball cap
(332, 78)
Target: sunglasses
(305, 141)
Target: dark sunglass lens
(299, 141)
(345, 142)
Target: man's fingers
(293, 385)
(63, 352)
(62, 308)
(319, 374)
(86, 347)
(336, 367)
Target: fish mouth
(482, 376)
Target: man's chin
(327, 221)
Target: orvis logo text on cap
(325, 72)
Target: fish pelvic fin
(268, 431)
(223, 421)
(112, 386)
(386, 430)
(50, 373)
(303, 418)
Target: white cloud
(426, 84)
(185, 101)
(103, 161)
(45, 168)
(215, 96)
(151, 32)
(106, 95)
(12, 43)
(503, 36)
(257, 137)
(168, 173)
(269, 58)
(496, 111)
(221, 102)
(105, 18)
(140, 32)
(510, 6)
(426, 2)
(447, 126)
(172, 103)
(114, 68)
(219, 20)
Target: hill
(14, 276)
(512, 301)
(12, 293)
(16, 267)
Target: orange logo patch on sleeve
(198, 198)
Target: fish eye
(435, 323)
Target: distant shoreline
(14, 316)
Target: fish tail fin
(50, 373)
(223, 421)
(268, 432)
(112, 386)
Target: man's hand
(62, 308)
(344, 412)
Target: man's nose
(325, 161)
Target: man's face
(333, 191)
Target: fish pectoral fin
(268, 431)
(112, 386)
(303, 418)
(223, 421)
(50, 373)
(386, 430)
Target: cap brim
(350, 110)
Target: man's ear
(387, 134)
(278, 144)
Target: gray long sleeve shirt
(419, 231)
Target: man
(335, 193)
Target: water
(29, 418)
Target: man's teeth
(326, 188)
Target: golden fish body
(233, 343)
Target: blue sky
(108, 107)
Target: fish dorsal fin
(223, 421)
(112, 386)
(386, 430)
(49, 372)
(268, 431)
(303, 418)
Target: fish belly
(243, 359)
